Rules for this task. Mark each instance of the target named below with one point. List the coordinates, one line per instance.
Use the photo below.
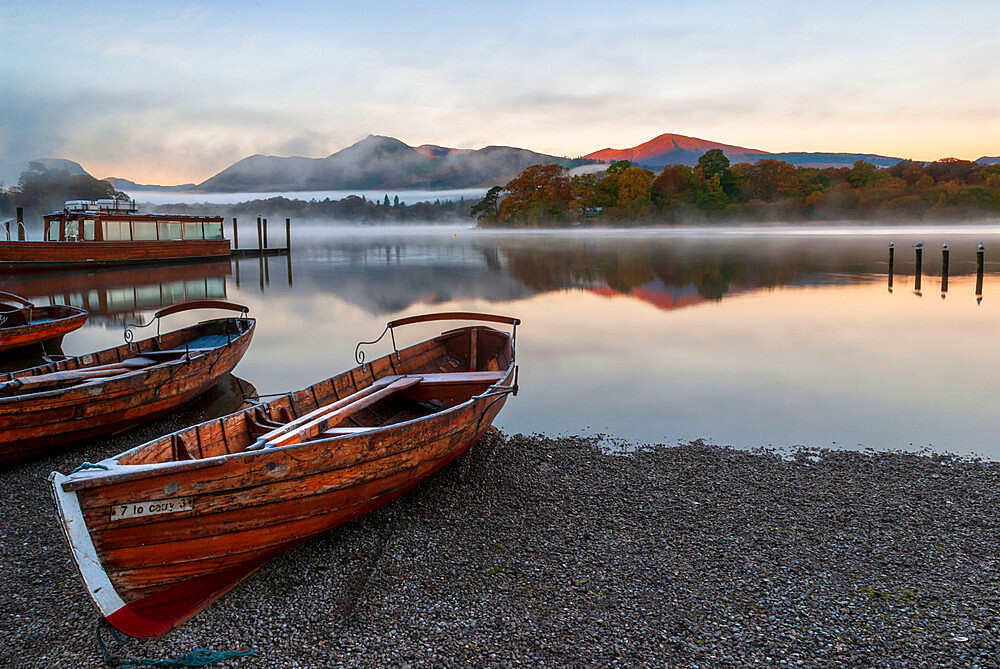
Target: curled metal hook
(359, 355)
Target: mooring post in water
(236, 235)
(944, 270)
(267, 271)
(288, 239)
(892, 252)
(260, 238)
(288, 263)
(22, 232)
(236, 259)
(919, 266)
(979, 272)
(265, 233)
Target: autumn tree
(539, 195)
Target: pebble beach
(534, 550)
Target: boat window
(115, 231)
(169, 229)
(89, 229)
(213, 230)
(192, 230)
(143, 230)
(53, 229)
(72, 229)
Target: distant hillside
(11, 172)
(379, 162)
(670, 149)
(122, 184)
(989, 160)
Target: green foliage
(485, 210)
(619, 166)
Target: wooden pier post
(892, 252)
(288, 240)
(944, 270)
(236, 235)
(265, 233)
(22, 232)
(980, 254)
(260, 238)
(919, 267)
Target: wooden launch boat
(46, 407)
(23, 324)
(109, 232)
(161, 531)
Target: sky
(174, 92)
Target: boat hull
(41, 422)
(219, 518)
(58, 321)
(46, 255)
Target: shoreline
(532, 549)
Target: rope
(88, 465)
(199, 657)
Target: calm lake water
(742, 336)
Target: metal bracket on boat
(359, 355)
(186, 306)
(17, 299)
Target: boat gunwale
(120, 473)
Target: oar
(340, 414)
(317, 415)
(74, 375)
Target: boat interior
(102, 365)
(412, 383)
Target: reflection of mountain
(672, 273)
(656, 294)
(389, 273)
(386, 276)
(117, 295)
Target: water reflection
(748, 340)
(115, 296)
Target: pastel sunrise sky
(171, 92)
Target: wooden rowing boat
(51, 405)
(23, 324)
(161, 531)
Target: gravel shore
(533, 550)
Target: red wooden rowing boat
(23, 324)
(51, 405)
(161, 531)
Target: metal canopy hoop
(186, 306)
(359, 355)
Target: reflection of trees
(712, 270)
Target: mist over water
(156, 197)
(746, 336)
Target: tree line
(715, 190)
(352, 209)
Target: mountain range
(378, 162)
